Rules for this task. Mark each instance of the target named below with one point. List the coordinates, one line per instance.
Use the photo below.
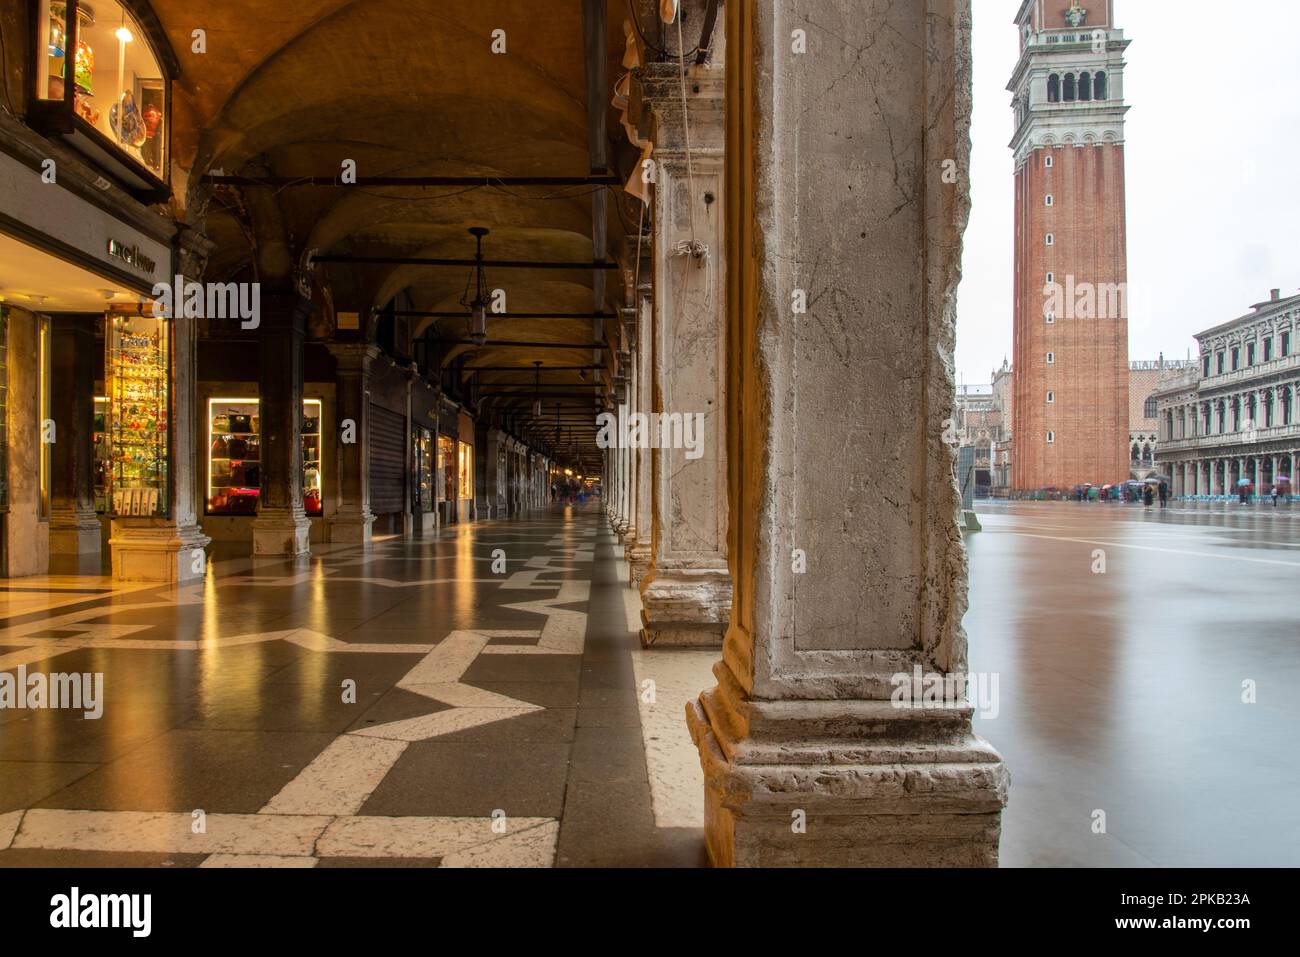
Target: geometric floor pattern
(402, 706)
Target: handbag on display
(310, 426)
(221, 423)
(220, 449)
(240, 422)
(237, 446)
(252, 448)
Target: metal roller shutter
(387, 461)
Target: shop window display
(4, 410)
(425, 477)
(117, 86)
(99, 438)
(234, 457)
(447, 467)
(466, 471)
(138, 379)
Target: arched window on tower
(1069, 88)
(1085, 86)
(1099, 87)
(1054, 88)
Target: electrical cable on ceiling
(661, 53)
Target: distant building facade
(1145, 378)
(1236, 413)
(979, 426)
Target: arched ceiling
(412, 88)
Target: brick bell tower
(1070, 368)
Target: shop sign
(132, 256)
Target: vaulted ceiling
(413, 88)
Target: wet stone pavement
(403, 707)
(1122, 691)
(414, 707)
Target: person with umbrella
(1243, 490)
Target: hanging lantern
(476, 291)
(537, 389)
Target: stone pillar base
(638, 561)
(686, 607)
(157, 552)
(282, 533)
(74, 532)
(351, 529)
(877, 785)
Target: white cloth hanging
(668, 10)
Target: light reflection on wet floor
(1122, 691)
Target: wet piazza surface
(498, 719)
(1122, 692)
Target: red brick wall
(1090, 416)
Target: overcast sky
(1213, 170)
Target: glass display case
(425, 476)
(234, 457)
(117, 95)
(99, 439)
(447, 469)
(137, 371)
(466, 471)
(312, 501)
(4, 409)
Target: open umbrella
(1245, 481)
(1283, 478)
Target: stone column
(171, 548)
(74, 524)
(352, 519)
(639, 544)
(848, 566)
(686, 591)
(281, 527)
(634, 455)
(26, 528)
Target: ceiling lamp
(477, 302)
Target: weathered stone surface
(846, 561)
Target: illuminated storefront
(234, 457)
(424, 480)
(137, 378)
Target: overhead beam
(596, 264)
(706, 35)
(521, 345)
(420, 314)
(596, 178)
(545, 368)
